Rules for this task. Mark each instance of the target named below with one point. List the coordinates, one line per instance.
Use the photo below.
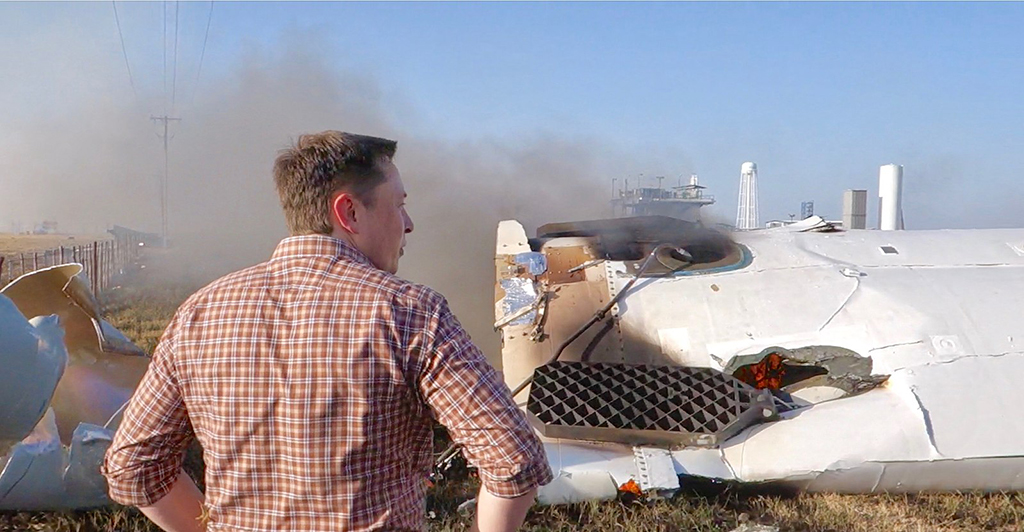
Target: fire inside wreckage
(648, 351)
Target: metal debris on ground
(751, 527)
(66, 375)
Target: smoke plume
(224, 212)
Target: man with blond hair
(312, 380)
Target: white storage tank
(890, 197)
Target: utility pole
(163, 185)
(615, 197)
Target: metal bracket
(655, 469)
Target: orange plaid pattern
(310, 381)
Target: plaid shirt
(310, 381)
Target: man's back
(310, 381)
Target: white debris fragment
(66, 374)
(751, 527)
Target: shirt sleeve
(147, 452)
(467, 396)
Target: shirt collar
(318, 246)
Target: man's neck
(345, 237)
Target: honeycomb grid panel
(631, 403)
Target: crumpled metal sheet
(33, 359)
(62, 291)
(66, 376)
(31, 477)
(519, 293)
(81, 482)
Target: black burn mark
(631, 239)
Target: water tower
(746, 208)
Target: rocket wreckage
(802, 356)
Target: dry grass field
(141, 307)
(13, 244)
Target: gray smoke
(223, 210)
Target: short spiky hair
(318, 165)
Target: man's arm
(495, 514)
(181, 510)
(468, 397)
(143, 465)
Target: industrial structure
(682, 202)
(855, 209)
(890, 197)
(806, 209)
(746, 208)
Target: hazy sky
(505, 110)
(819, 95)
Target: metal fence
(102, 259)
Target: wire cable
(163, 5)
(598, 316)
(202, 54)
(174, 68)
(131, 80)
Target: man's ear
(345, 213)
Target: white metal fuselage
(941, 312)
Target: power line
(199, 71)
(174, 75)
(163, 6)
(166, 120)
(124, 50)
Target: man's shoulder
(223, 285)
(404, 293)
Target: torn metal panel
(518, 306)
(81, 483)
(41, 474)
(33, 358)
(62, 291)
(77, 368)
(813, 373)
(31, 478)
(103, 365)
